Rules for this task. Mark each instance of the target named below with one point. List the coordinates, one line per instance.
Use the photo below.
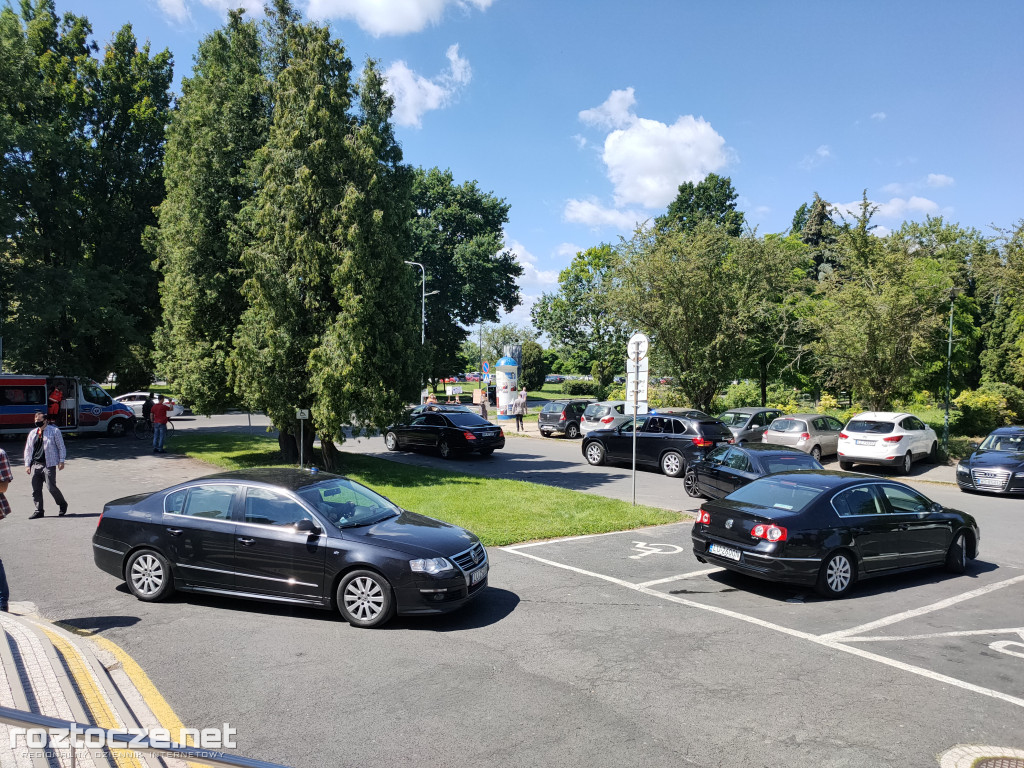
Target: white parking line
(828, 641)
(960, 633)
(514, 547)
(690, 575)
(898, 617)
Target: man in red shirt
(159, 415)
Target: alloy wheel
(147, 575)
(364, 598)
(838, 574)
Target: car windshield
(782, 462)
(596, 411)
(734, 418)
(345, 503)
(552, 407)
(777, 493)
(1011, 443)
(467, 419)
(873, 427)
(787, 425)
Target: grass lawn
(500, 512)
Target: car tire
(907, 464)
(572, 431)
(846, 466)
(816, 453)
(148, 576)
(118, 428)
(690, 484)
(933, 454)
(838, 575)
(673, 464)
(594, 454)
(956, 555)
(365, 599)
(444, 449)
(486, 451)
(391, 441)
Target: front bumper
(976, 481)
(767, 567)
(434, 596)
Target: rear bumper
(767, 567)
(873, 460)
(109, 555)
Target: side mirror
(975, 446)
(305, 525)
(935, 508)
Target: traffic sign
(638, 346)
(486, 367)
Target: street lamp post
(423, 301)
(949, 365)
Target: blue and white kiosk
(506, 386)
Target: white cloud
(532, 276)
(176, 10)
(879, 116)
(568, 249)
(581, 141)
(940, 180)
(416, 95)
(593, 214)
(896, 208)
(253, 8)
(390, 17)
(821, 154)
(616, 112)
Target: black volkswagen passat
(729, 467)
(997, 465)
(446, 429)
(830, 529)
(290, 536)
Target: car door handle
(246, 542)
(175, 531)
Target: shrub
(828, 402)
(742, 395)
(1014, 397)
(981, 411)
(579, 388)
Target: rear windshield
(734, 418)
(787, 425)
(777, 493)
(873, 427)
(786, 461)
(715, 429)
(552, 408)
(596, 411)
(467, 419)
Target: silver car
(748, 424)
(607, 415)
(813, 433)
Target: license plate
(489, 434)
(477, 576)
(989, 481)
(864, 442)
(722, 551)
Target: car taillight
(100, 520)
(469, 435)
(805, 436)
(562, 417)
(843, 436)
(703, 442)
(607, 419)
(892, 439)
(703, 517)
(768, 532)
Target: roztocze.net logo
(77, 737)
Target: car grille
(472, 558)
(990, 478)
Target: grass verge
(500, 512)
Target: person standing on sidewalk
(44, 455)
(159, 415)
(6, 477)
(519, 410)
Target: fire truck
(77, 405)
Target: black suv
(669, 441)
(562, 416)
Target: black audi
(446, 429)
(290, 536)
(831, 529)
(729, 467)
(997, 465)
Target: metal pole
(302, 441)
(949, 365)
(423, 310)
(636, 405)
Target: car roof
(833, 479)
(289, 478)
(749, 409)
(881, 415)
(768, 448)
(803, 416)
(610, 402)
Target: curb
(973, 756)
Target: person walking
(159, 415)
(6, 477)
(147, 407)
(44, 455)
(520, 410)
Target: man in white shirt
(44, 455)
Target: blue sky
(586, 116)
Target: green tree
(712, 199)
(457, 236)
(495, 337)
(579, 320)
(534, 367)
(221, 120)
(821, 233)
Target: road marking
(827, 641)
(654, 549)
(898, 617)
(514, 547)
(680, 576)
(958, 633)
(1003, 646)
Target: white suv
(887, 439)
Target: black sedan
(830, 529)
(446, 429)
(997, 465)
(290, 536)
(731, 466)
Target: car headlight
(1018, 474)
(961, 469)
(430, 565)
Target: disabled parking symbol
(654, 549)
(1011, 647)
